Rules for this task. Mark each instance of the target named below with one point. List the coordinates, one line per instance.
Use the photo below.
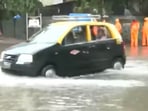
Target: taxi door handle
(92, 46)
(85, 52)
(108, 48)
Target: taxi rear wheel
(118, 64)
(49, 72)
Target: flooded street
(110, 90)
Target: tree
(89, 6)
(143, 7)
(22, 6)
(9, 8)
(13, 7)
(118, 7)
(82, 6)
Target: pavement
(9, 40)
(6, 42)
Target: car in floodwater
(67, 48)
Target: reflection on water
(134, 52)
(40, 94)
(137, 51)
(108, 93)
(74, 99)
(61, 99)
(144, 51)
(136, 99)
(105, 91)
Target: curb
(6, 40)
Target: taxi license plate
(6, 65)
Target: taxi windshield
(49, 34)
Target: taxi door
(73, 55)
(101, 49)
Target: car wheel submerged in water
(117, 64)
(49, 71)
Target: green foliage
(10, 8)
(115, 7)
(118, 7)
(21, 6)
(89, 6)
(82, 6)
(2, 4)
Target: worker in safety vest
(145, 32)
(134, 29)
(118, 25)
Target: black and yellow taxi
(67, 48)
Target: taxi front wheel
(117, 64)
(49, 71)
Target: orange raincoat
(118, 25)
(134, 29)
(145, 32)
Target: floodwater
(125, 90)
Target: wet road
(110, 90)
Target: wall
(20, 28)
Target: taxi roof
(76, 23)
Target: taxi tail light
(123, 45)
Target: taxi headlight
(24, 59)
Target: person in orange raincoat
(118, 25)
(145, 32)
(134, 29)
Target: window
(76, 35)
(100, 32)
(48, 35)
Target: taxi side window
(100, 32)
(76, 35)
